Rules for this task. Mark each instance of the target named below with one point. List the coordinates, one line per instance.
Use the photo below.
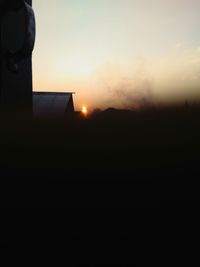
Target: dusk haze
(121, 53)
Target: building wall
(52, 105)
(16, 89)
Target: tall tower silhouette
(16, 45)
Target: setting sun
(84, 110)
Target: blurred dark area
(118, 175)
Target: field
(116, 175)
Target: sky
(119, 53)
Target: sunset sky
(119, 53)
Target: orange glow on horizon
(84, 110)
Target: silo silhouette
(17, 42)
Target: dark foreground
(117, 176)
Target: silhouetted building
(52, 104)
(17, 41)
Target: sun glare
(84, 110)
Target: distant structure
(52, 104)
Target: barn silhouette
(52, 104)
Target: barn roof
(52, 103)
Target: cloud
(132, 93)
(173, 77)
(124, 86)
